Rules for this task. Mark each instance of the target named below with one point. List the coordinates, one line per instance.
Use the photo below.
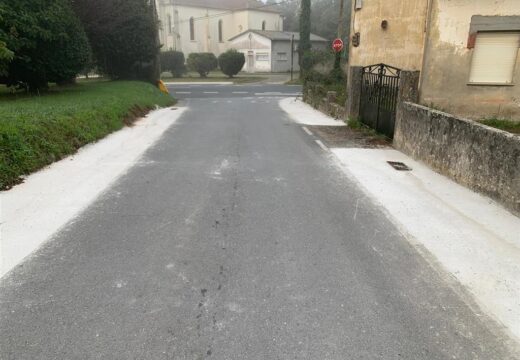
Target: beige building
(466, 50)
(207, 25)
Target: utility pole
(292, 56)
(337, 63)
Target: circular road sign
(337, 45)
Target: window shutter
(494, 57)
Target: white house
(270, 51)
(207, 25)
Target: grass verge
(38, 130)
(506, 125)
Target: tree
(324, 17)
(6, 56)
(202, 63)
(47, 39)
(231, 62)
(124, 36)
(174, 62)
(305, 37)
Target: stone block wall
(482, 158)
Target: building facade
(270, 51)
(466, 51)
(207, 25)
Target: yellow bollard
(162, 87)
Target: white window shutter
(494, 57)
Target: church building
(207, 25)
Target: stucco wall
(448, 62)
(400, 45)
(251, 44)
(206, 27)
(482, 158)
(285, 47)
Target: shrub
(47, 39)
(202, 63)
(173, 61)
(231, 62)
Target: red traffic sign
(337, 45)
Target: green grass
(294, 82)
(506, 125)
(38, 130)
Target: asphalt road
(198, 91)
(236, 238)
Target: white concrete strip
(306, 114)
(307, 130)
(277, 94)
(210, 92)
(195, 83)
(32, 212)
(322, 145)
(240, 92)
(471, 236)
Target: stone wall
(477, 156)
(325, 101)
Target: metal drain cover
(399, 166)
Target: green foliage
(324, 17)
(502, 124)
(305, 45)
(37, 130)
(231, 62)
(123, 35)
(174, 62)
(6, 56)
(47, 39)
(202, 63)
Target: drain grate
(399, 166)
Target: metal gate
(379, 89)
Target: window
(262, 57)
(282, 56)
(220, 31)
(494, 58)
(263, 25)
(192, 29)
(169, 24)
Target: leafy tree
(324, 17)
(231, 62)
(47, 39)
(174, 62)
(123, 35)
(202, 63)
(6, 56)
(305, 37)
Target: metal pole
(292, 56)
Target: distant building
(207, 25)
(270, 51)
(466, 51)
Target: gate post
(408, 92)
(408, 87)
(354, 84)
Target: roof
(228, 4)
(280, 35)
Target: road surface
(236, 237)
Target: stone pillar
(354, 82)
(409, 87)
(408, 92)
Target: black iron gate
(380, 86)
